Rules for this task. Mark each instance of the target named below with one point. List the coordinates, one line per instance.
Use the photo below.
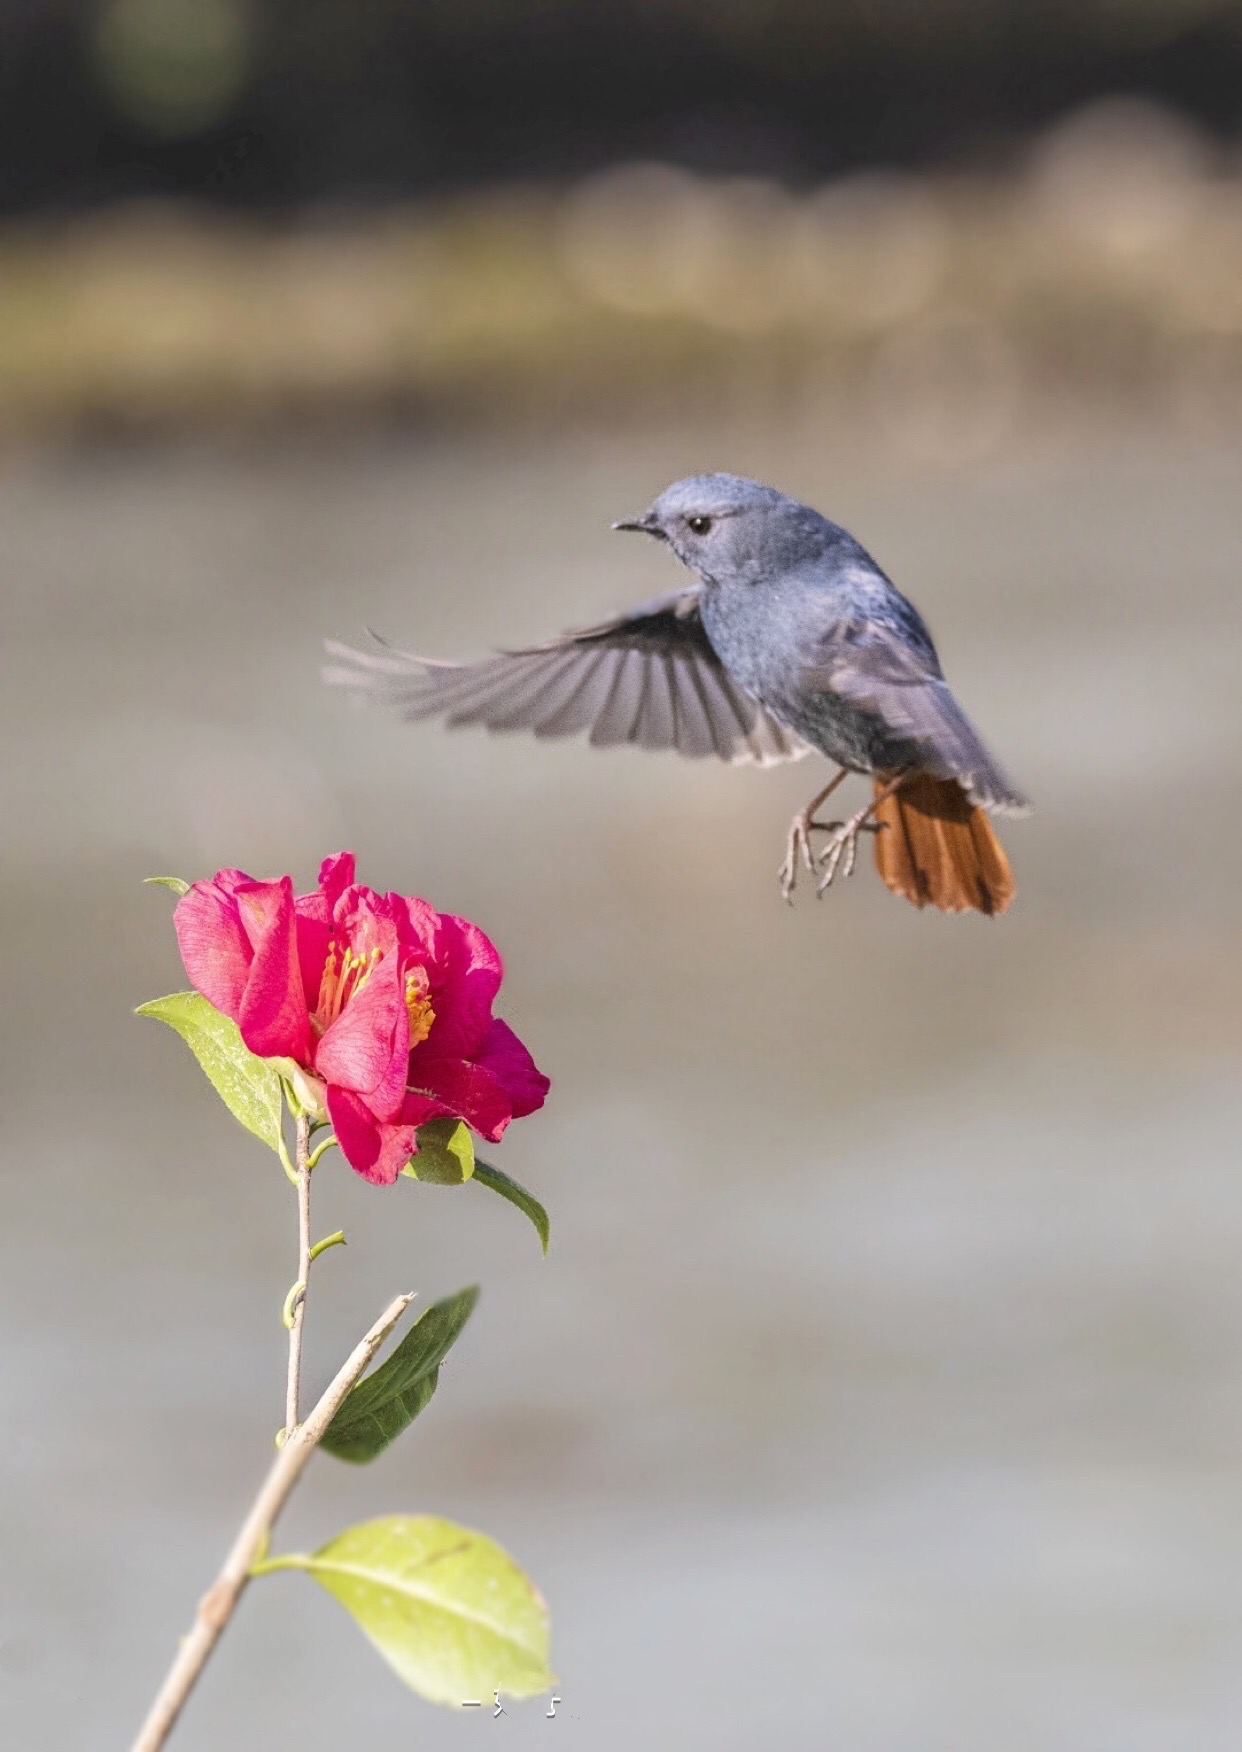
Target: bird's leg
(798, 845)
(844, 841)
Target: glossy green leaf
(248, 1086)
(445, 1153)
(450, 1612)
(486, 1175)
(384, 1402)
(176, 883)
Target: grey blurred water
(883, 1388)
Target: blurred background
(881, 1389)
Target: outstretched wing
(649, 677)
(891, 673)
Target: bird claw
(798, 850)
(844, 846)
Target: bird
(790, 641)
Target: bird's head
(729, 529)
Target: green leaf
(381, 1405)
(486, 1175)
(248, 1086)
(173, 882)
(445, 1153)
(450, 1612)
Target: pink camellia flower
(383, 1002)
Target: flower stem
(320, 1149)
(217, 1604)
(296, 1314)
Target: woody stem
(218, 1603)
(297, 1311)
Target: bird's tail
(937, 848)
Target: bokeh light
(174, 67)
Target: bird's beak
(646, 525)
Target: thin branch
(321, 1149)
(218, 1603)
(296, 1314)
(291, 1301)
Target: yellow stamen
(344, 975)
(418, 1004)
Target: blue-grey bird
(792, 640)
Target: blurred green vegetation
(939, 310)
(271, 104)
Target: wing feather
(657, 726)
(616, 719)
(649, 677)
(576, 699)
(529, 695)
(695, 738)
(896, 680)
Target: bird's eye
(698, 525)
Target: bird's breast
(766, 636)
(746, 637)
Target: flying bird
(790, 641)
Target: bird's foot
(798, 851)
(841, 853)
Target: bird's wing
(649, 677)
(895, 678)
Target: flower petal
(230, 880)
(214, 944)
(418, 927)
(464, 980)
(509, 1062)
(416, 1110)
(314, 921)
(336, 874)
(469, 1091)
(314, 932)
(376, 1151)
(363, 920)
(272, 1016)
(367, 1048)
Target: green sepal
(445, 1153)
(304, 1092)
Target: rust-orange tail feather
(938, 849)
